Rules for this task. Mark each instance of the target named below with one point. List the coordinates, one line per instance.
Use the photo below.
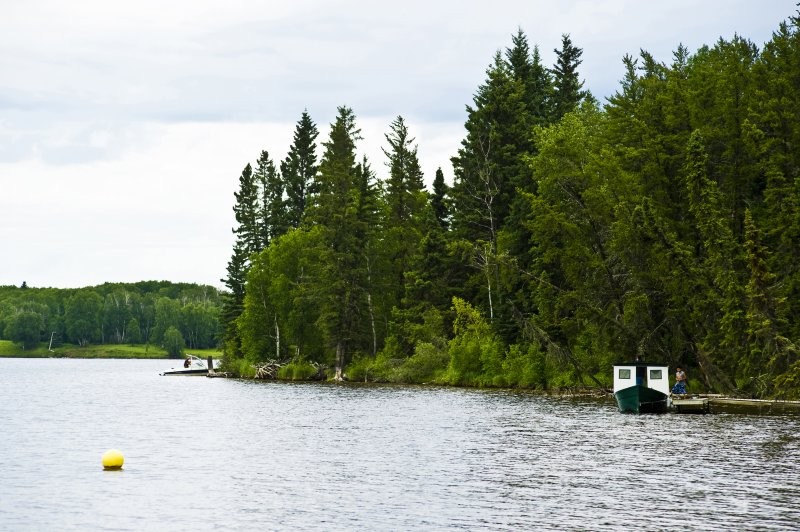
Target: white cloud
(124, 127)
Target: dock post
(210, 364)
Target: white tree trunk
(277, 339)
(339, 362)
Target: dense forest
(149, 312)
(663, 224)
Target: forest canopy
(662, 224)
(112, 313)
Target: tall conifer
(567, 86)
(299, 169)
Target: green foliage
(566, 83)
(280, 293)
(238, 366)
(25, 329)
(117, 313)
(476, 353)
(134, 332)
(298, 370)
(527, 367)
(664, 225)
(440, 200)
(299, 169)
(82, 316)
(173, 342)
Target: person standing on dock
(680, 382)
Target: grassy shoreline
(9, 349)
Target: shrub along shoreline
(9, 349)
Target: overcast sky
(124, 126)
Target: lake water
(224, 454)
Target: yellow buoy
(113, 459)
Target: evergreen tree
(272, 215)
(488, 171)
(527, 67)
(405, 200)
(769, 351)
(405, 196)
(246, 210)
(440, 200)
(367, 228)
(299, 169)
(567, 93)
(341, 279)
(249, 236)
(719, 256)
(233, 300)
(775, 113)
(489, 163)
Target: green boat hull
(641, 400)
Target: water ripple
(219, 454)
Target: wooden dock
(718, 404)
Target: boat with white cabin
(641, 387)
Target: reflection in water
(225, 454)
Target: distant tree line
(663, 224)
(147, 312)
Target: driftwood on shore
(269, 370)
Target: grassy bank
(9, 349)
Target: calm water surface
(223, 454)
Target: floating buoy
(113, 459)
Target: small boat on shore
(194, 366)
(641, 387)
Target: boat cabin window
(655, 374)
(624, 374)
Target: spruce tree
(488, 171)
(567, 93)
(527, 67)
(248, 242)
(271, 213)
(273, 220)
(405, 207)
(404, 188)
(440, 199)
(299, 169)
(489, 163)
(246, 210)
(769, 350)
(340, 284)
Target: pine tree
(299, 169)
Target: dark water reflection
(237, 455)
